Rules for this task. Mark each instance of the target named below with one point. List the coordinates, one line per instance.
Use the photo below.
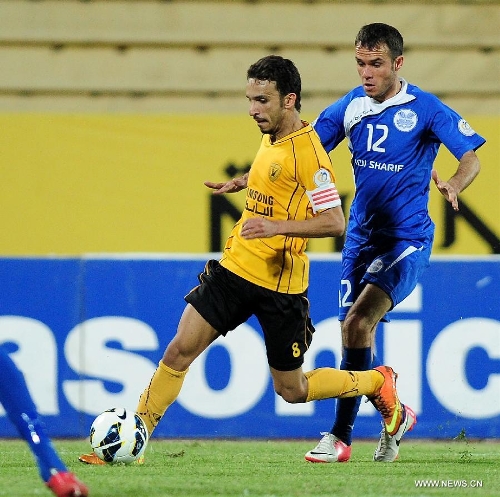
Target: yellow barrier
(73, 184)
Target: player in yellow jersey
(264, 271)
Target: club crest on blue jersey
(322, 177)
(405, 120)
(465, 128)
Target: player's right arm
(330, 222)
(231, 186)
(329, 125)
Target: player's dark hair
(373, 35)
(282, 71)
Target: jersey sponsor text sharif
(382, 166)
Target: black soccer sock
(347, 409)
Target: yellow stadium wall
(74, 184)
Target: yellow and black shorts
(225, 300)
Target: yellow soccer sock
(161, 392)
(326, 383)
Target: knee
(355, 323)
(292, 395)
(356, 327)
(172, 352)
(177, 357)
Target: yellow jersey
(291, 178)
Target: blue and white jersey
(393, 146)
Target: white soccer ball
(118, 435)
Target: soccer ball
(118, 436)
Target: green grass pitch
(250, 468)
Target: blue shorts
(395, 266)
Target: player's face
(378, 72)
(266, 106)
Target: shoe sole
(92, 460)
(322, 461)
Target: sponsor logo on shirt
(259, 203)
(405, 120)
(381, 166)
(357, 117)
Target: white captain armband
(324, 197)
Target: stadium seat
(180, 54)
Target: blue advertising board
(88, 333)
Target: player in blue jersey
(17, 402)
(393, 130)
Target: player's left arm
(468, 169)
(330, 222)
